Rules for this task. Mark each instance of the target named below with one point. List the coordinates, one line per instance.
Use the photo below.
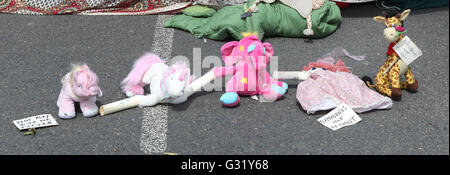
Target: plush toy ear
(226, 51)
(379, 19)
(227, 48)
(85, 67)
(404, 14)
(268, 49)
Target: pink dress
(325, 90)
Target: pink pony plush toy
(79, 85)
(247, 61)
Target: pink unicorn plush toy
(79, 85)
(247, 61)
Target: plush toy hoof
(278, 89)
(90, 113)
(230, 99)
(145, 101)
(66, 115)
(396, 94)
(129, 94)
(285, 86)
(413, 87)
(308, 32)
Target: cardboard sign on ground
(37, 121)
(339, 117)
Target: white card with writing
(407, 50)
(37, 121)
(339, 117)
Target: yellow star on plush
(244, 80)
(241, 48)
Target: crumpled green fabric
(199, 11)
(275, 19)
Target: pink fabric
(325, 90)
(327, 63)
(248, 67)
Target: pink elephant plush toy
(79, 85)
(247, 61)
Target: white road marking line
(154, 122)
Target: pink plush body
(247, 61)
(79, 85)
(245, 79)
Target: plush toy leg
(89, 108)
(394, 79)
(230, 99)
(274, 91)
(413, 85)
(66, 108)
(382, 84)
(134, 90)
(148, 100)
(309, 30)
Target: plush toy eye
(314, 68)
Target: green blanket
(275, 19)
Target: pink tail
(133, 81)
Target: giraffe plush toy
(388, 77)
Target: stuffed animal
(167, 84)
(79, 85)
(388, 77)
(247, 61)
(285, 18)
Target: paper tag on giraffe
(339, 117)
(407, 50)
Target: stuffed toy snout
(390, 34)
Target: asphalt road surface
(36, 51)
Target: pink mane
(328, 64)
(83, 75)
(133, 81)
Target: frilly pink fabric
(325, 90)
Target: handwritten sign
(37, 121)
(340, 117)
(407, 50)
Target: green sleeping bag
(275, 19)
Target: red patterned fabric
(93, 7)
